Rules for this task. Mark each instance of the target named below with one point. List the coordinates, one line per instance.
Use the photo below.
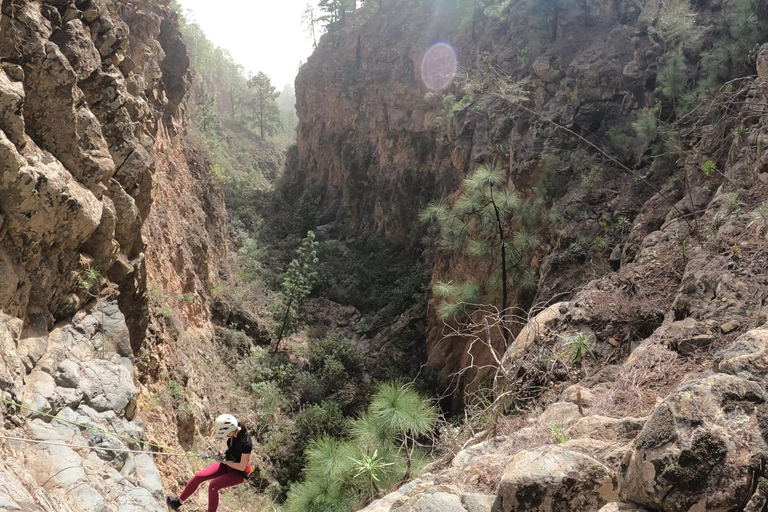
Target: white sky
(262, 35)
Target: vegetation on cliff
(543, 157)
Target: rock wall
(668, 415)
(91, 134)
(375, 144)
(666, 409)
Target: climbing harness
(166, 449)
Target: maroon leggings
(221, 476)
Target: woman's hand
(240, 466)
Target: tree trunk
(261, 115)
(500, 227)
(285, 322)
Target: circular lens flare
(439, 66)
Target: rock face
(91, 120)
(698, 449)
(84, 375)
(83, 97)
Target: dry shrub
(630, 316)
(647, 375)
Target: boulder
(560, 414)
(697, 450)
(622, 507)
(107, 386)
(433, 502)
(748, 356)
(602, 427)
(148, 476)
(555, 479)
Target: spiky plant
(370, 468)
(328, 458)
(381, 452)
(579, 345)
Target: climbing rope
(166, 449)
(80, 447)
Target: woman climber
(233, 470)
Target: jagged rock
(730, 326)
(697, 449)
(748, 356)
(602, 427)
(67, 128)
(33, 342)
(622, 507)
(447, 502)
(11, 368)
(76, 45)
(11, 101)
(555, 479)
(107, 386)
(689, 346)
(703, 281)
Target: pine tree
(297, 285)
(380, 453)
(405, 416)
(336, 13)
(310, 22)
(480, 224)
(264, 108)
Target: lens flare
(439, 66)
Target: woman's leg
(212, 471)
(220, 482)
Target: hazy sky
(262, 35)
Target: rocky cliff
(93, 161)
(663, 417)
(636, 382)
(551, 98)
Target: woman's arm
(240, 466)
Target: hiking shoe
(173, 503)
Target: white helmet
(223, 425)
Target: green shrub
(317, 420)
(672, 76)
(335, 361)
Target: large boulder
(441, 501)
(555, 479)
(747, 357)
(622, 507)
(698, 449)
